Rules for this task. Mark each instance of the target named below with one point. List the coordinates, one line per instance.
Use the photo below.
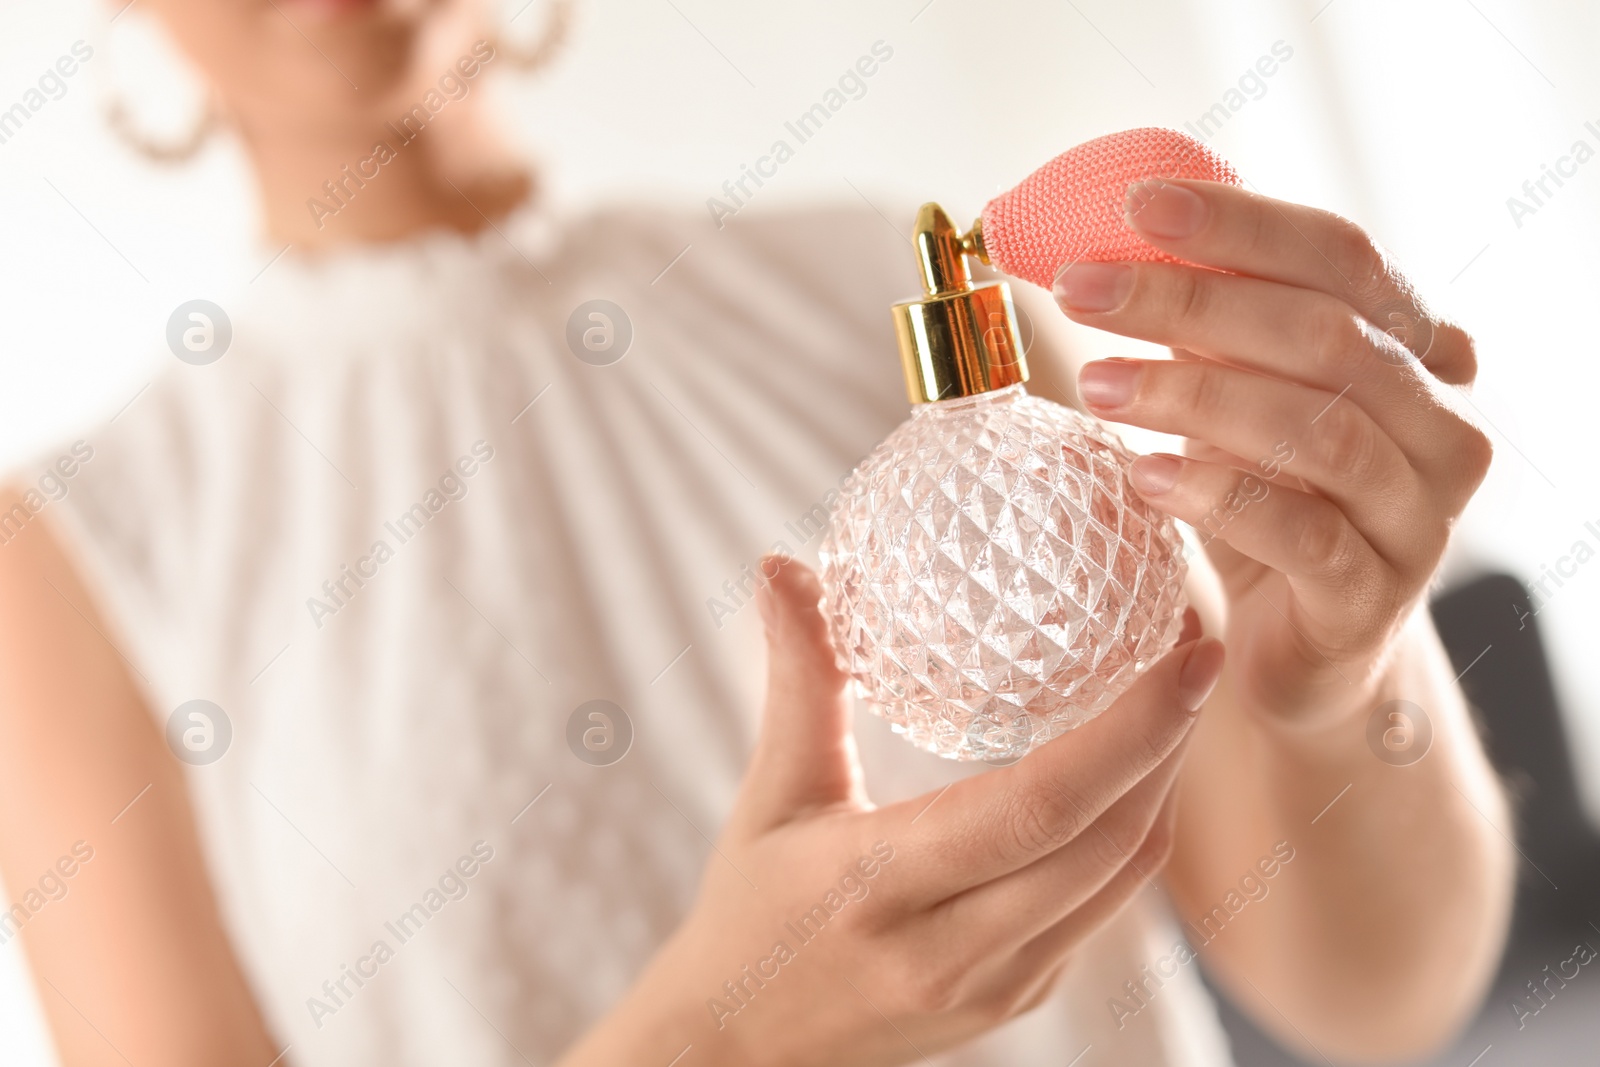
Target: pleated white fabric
(383, 728)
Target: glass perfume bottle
(990, 577)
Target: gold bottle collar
(960, 339)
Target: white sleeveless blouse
(399, 532)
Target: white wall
(1419, 119)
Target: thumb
(806, 755)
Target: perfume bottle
(990, 577)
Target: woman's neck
(384, 182)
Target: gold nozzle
(959, 339)
(972, 242)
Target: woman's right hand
(831, 932)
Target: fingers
(1042, 956)
(1236, 230)
(806, 755)
(1296, 335)
(1331, 568)
(985, 827)
(1026, 977)
(1012, 910)
(1279, 425)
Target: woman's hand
(831, 932)
(1327, 457)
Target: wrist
(661, 1017)
(1330, 723)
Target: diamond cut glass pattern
(991, 580)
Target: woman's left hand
(1328, 456)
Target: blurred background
(1421, 120)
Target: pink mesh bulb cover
(1071, 209)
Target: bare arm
(1379, 936)
(1327, 460)
(132, 963)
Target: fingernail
(1162, 209)
(1108, 384)
(1192, 629)
(1155, 474)
(1095, 287)
(1200, 673)
(770, 564)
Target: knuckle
(1044, 818)
(1360, 259)
(1463, 351)
(1344, 439)
(1458, 453)
(1412, 560)
(1000, 1006)
(1020, 1002)
(1156, 849)
(1111, 847)
(886, 904)
(1482, 456)
(930, 986)
(1323, 543)
(1370, 626)
(1188, 297)
(1248, 487)
(1208, 390)
(859, 920)
(1393, 599)
(1040, 992)
(1339, 341)
(1017, 997)
(1264, 233)
(1477, 453)
(1154, 743)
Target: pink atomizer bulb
(990, 577)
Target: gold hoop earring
(180, 150)
(539, 53)
(120, 120)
